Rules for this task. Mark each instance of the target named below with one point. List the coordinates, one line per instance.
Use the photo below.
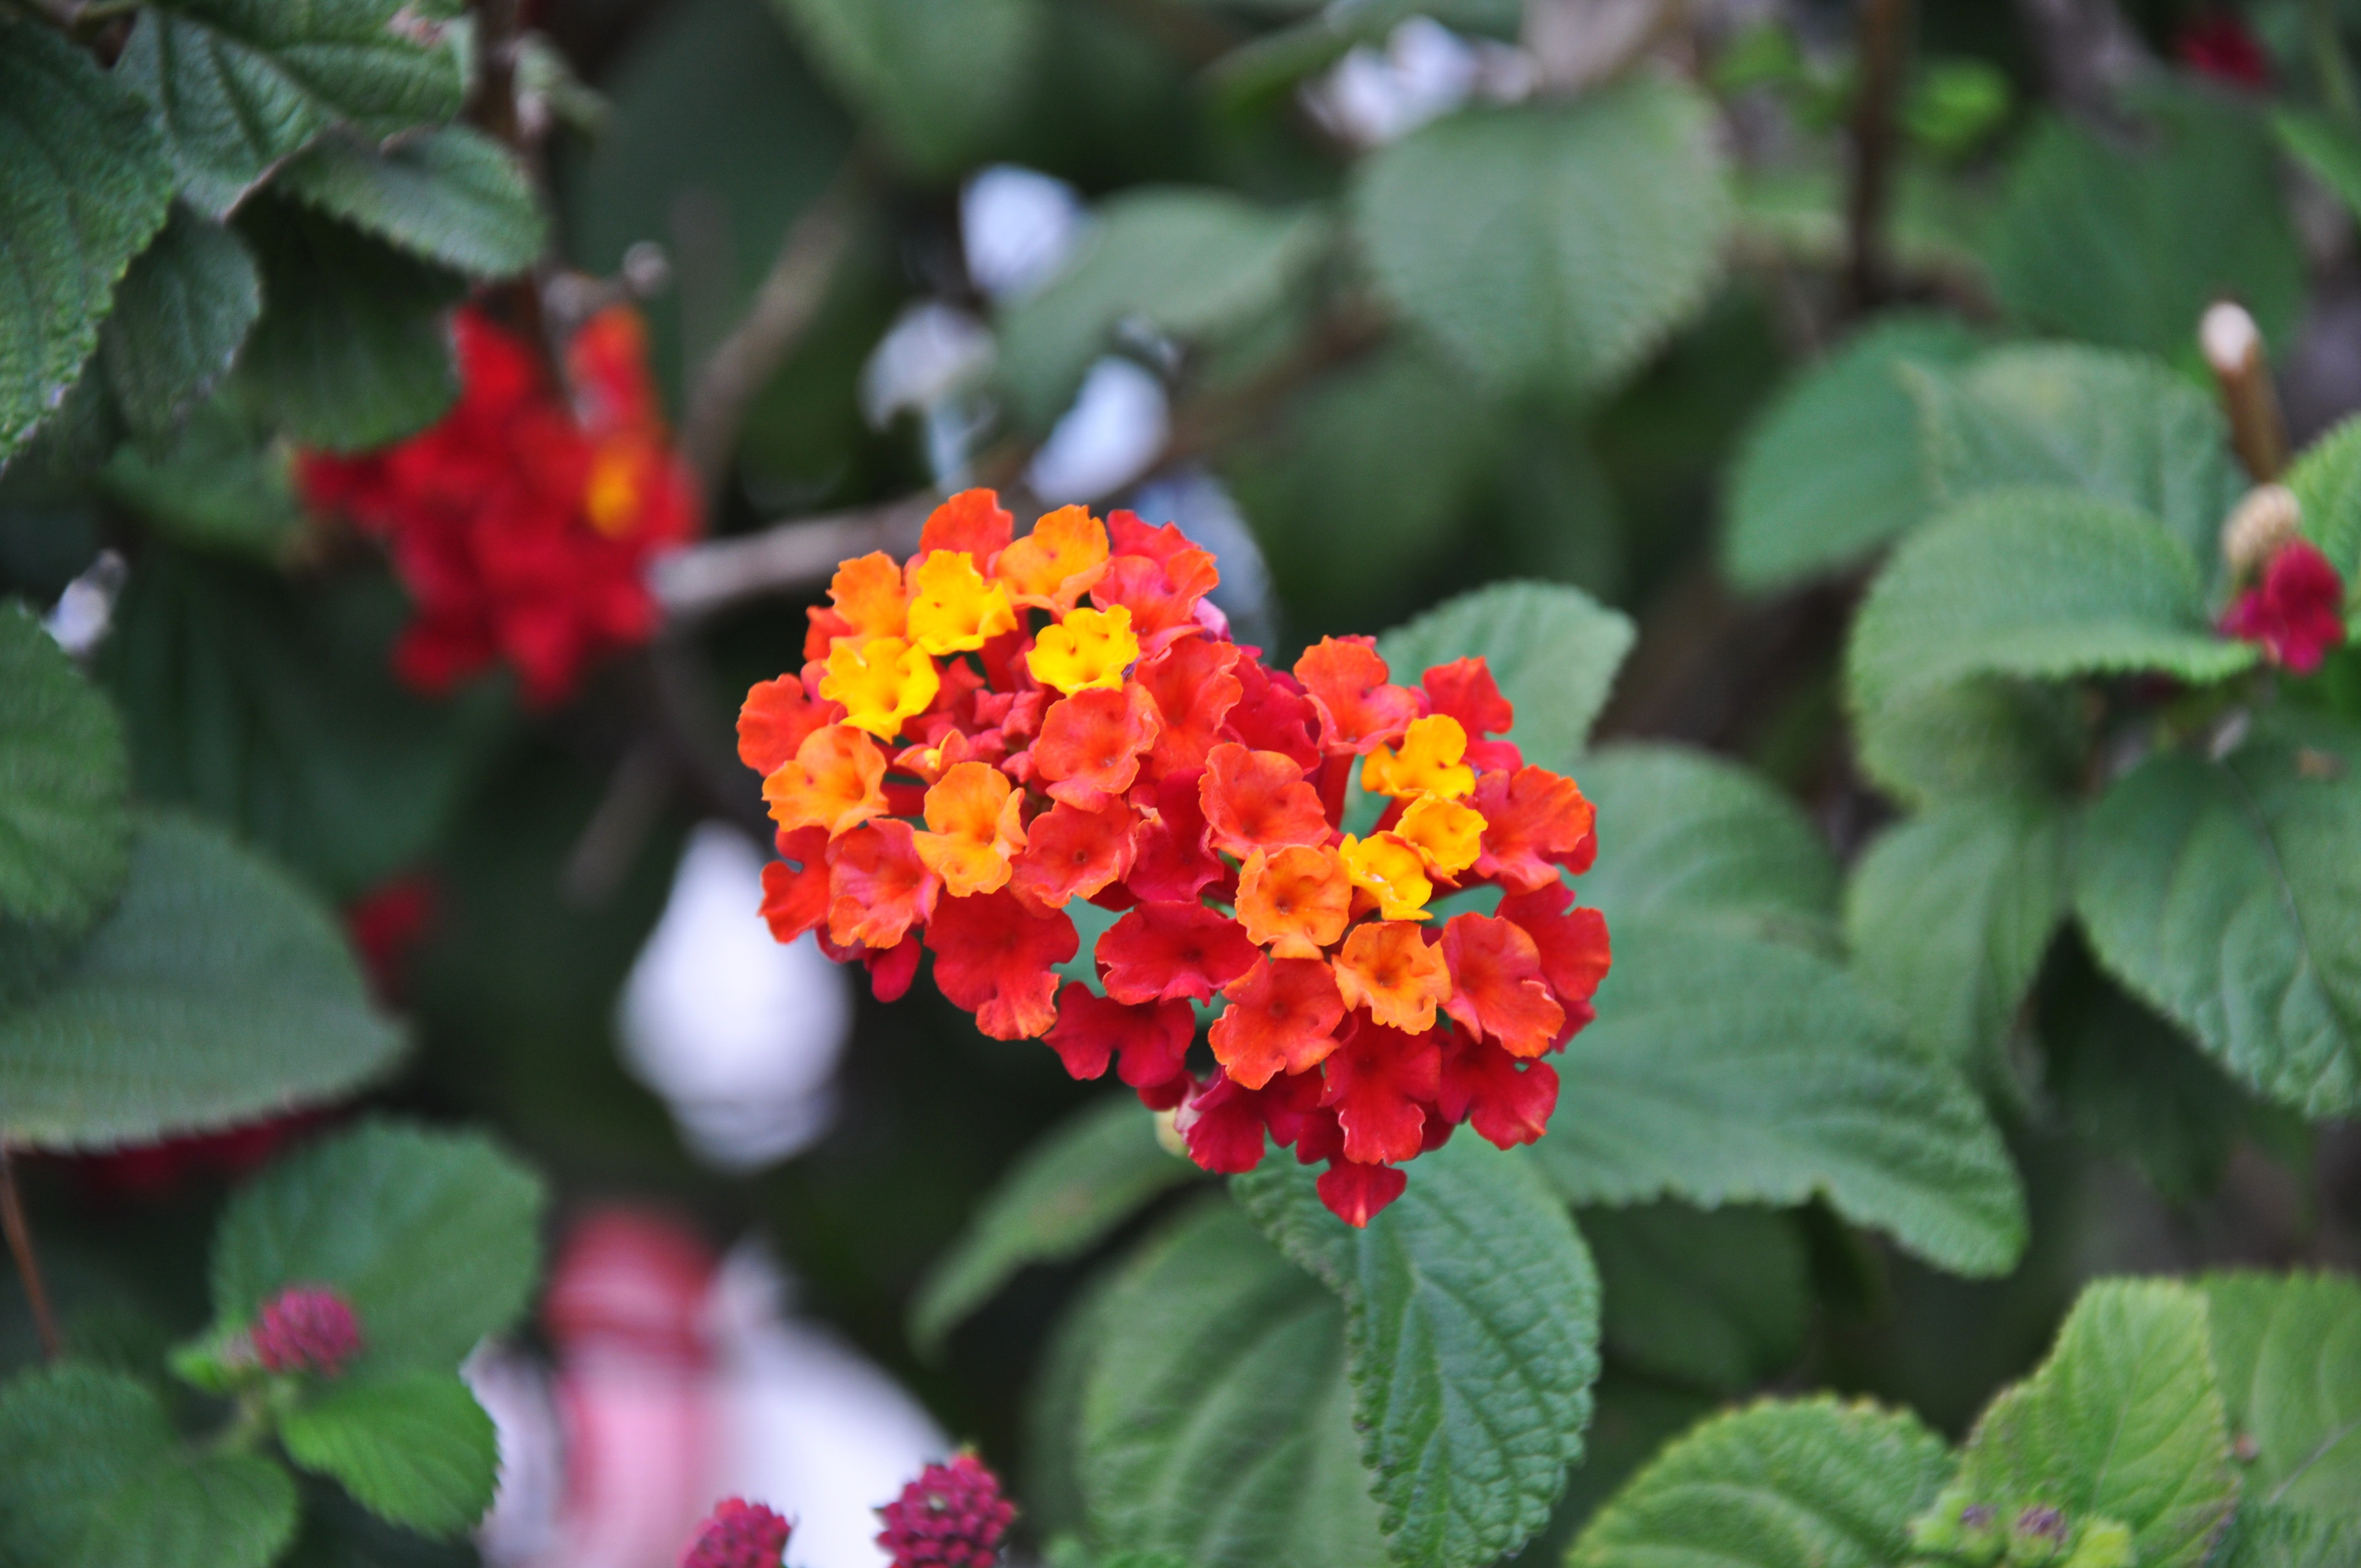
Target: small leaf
(2226, 895)
(2124, 240)
(1724, 1069)
(2287, 1350)
(1553, 649)
(1948, 914)
(1692, 840)
(83, 185)
(1190, 263)
(2122, 1422)
(64, 836)
(216, 993)
(1833, 470)
(1084, 1178)
(1471, 1341)
(238, 88)
(1216, 1421)
(352, 350)
(181, 316)
(1711, 1298)
(2118, 427)
(92, 1476)
(1551, 246)
(432, 1237)
(1779, 1485)
(454, 196)
(2039, 584)
(942, 79)
(2327, 479)
(415, 1450)
(2325, 147)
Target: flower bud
(2037, 1536)
(2264, 519)
(738, 1534)
(953, 1516)
(306, 1328)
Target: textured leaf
(2118, 427)
(941, 78)
(2288, 1351)
(1551, 246)
(1190, 263)
(2226, 895)
(1270, 62)
(92, 1476)
(220, 485)
(1980, 737)
(433, 1236)
(1691, 839)
(416, 1449)
(241, 85)
(2039, 584)
(64, 836)
(2124, 241)
(1553, 650)
(275, 711)
(2122, 1422)
(83, 185)
(1216, 1419)
(2327, 479)
(1084, 1178)
(181, 317)
(352, 350)
(1713, 1299)
(1948, 914)
(2325, 147)
(454, 196)
(1724, 1070)
(1778, 1485)
(2262, 1536)
(216, 992)
(1833, 471)
(1471, 1339)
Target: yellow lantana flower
(882, 682)
(1391, 871)
(953, 609)
(1090, 648)
(1428, 763)
(1446, 834)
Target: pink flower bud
(738, 1534)
(306, 1328)
(953, 1516)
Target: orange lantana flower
(1053, 567)
(1388, 967)
(868, 594)
(974, 824)
(1391, 872)
(1282, 1017)
(1497, 987)
(878, 887)
(1091, 744)
(835, 781)
(1294, 900)
(1258, 800)
(1360, 709)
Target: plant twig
(1883, 32)
(2233, 345)
(782, 308)
(28, 1266)
(788, 557)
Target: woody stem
(29, 1268)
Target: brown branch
(789, 557)
(1883, 32)
(784, 307)
(28, 1266)
(2233, 345)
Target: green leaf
(2039, 584)
(1692, 840)
(181, 317)
(1553, 649)
(1271, 62)
(2325, 147)
(276, 710)
(415, 1450)
(2327, 479)
(2118, 427)
(2126, 241)
(433, 1236)
(1832, 471)
(240, 86)
(1726, 1069)
(454, 196)
(352, 350)
(83, 185)
(1217, 1422)
(2288, 1351)
(65, 838)
(1189, 263)
(1948, 914)
(220, 485)
(942, 80)
(1471, 1341)
(1084, 1178)
(216, 992)
(2226, 895)
(92, 1476)
(1551, 245)
(2122, 1422)
(1713, 1299)
(1780, 1484)
(1979, 737)
(2263, 1537)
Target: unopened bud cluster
(1973, 1534)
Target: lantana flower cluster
(523, 522)
(1000, 726)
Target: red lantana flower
(2296, 614)
(1001, 729)
(523, 522)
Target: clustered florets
(522, 523)
(2295, 613)
(306, 1328)
(738, 1534)
(953, 1516)
(970, 747)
